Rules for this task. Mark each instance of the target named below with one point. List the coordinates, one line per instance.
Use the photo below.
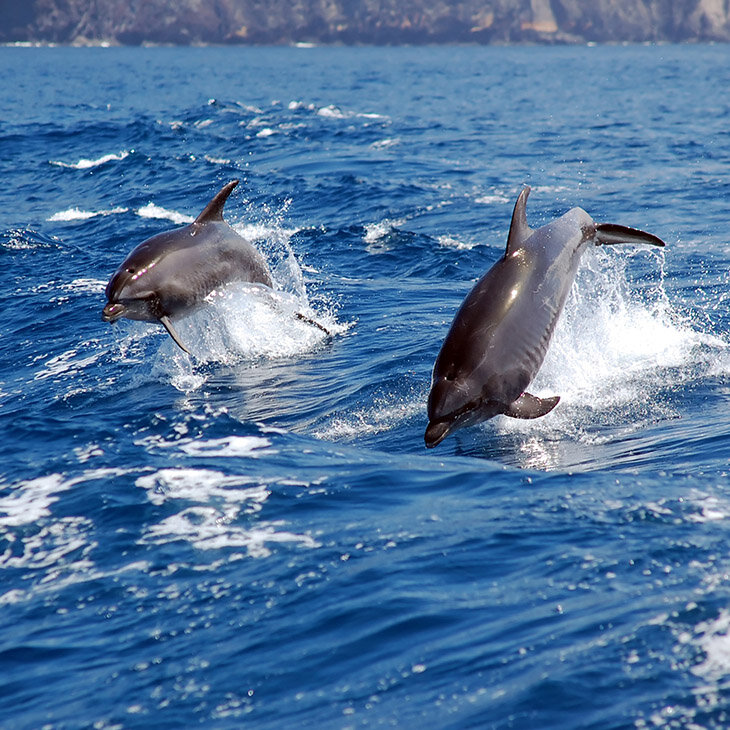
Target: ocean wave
(377, 235)
(209, 526)
(76, 214)
(157, 212)
(89, 163)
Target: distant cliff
(362, 21)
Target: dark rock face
(362, 21)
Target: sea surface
(255, 536)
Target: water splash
(244, 321)
(620, 344)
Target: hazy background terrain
(362, 21)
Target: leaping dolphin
(171, 274)
(501, 332)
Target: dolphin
(171, 274)
(500, 334)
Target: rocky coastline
(384, 22)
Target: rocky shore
(135, 22)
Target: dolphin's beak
(436, 432)
(112, 312)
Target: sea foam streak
(87, 164)
(222, 501)
(155, 211)
(76, 214)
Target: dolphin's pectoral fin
(314, 323)
(165, 320)
(530, 406)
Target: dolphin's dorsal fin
(519, 231)
(214, 210)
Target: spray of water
(243, 322)
(619, 344)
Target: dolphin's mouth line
(464, 416)
(448, 423)
(112, 312)
(469, 407)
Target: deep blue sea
(255, 536)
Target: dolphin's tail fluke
(610, 233)
(313, 322)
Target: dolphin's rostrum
(171, 274)
(501, 332)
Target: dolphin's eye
(130, 269)
(451, 377)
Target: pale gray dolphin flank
(501, 332)
(171, 274)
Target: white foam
(254, 232)
(31, 500)
(200, 485)
(331, 111)
(450, 242)
(207, 528)
(713, 637)
(210, 524)
(239, 446)
(87, 164)
(492, 199)
(93, 286)
(65, 363)
(376, 233)
(711, 508)
(245, 322)
(51, 544)
(76, 214)
(155, 211)
(384, 144)
(384, 415)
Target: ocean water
(255, 536)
